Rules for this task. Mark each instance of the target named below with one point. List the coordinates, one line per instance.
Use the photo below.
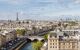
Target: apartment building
(6, 36)
(2, 40)
(10, 35)
(72, 32)
(58, 41)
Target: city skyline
(38, 9)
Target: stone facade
(7, 35)
(59, 42)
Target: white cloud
(76, 1)
(15, 2)
(7, 15)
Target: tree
(20, 32)
(45, 36)
(72, 23)
(37, 45)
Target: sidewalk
(13, 48)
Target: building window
(56, 43)
(69, 46)
(59, 47)
(50, 46)
(50, 40)
(53, 40)
(53, 43)
(56, 40)
(73, 46)
(53, 46)
(50, 43)
(63, 43)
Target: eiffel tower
(17, 19)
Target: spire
(17, 19)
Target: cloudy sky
(38, 9)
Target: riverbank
(33, 44)
(13, 48)
(19, 47)
(17, 44)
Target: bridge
(33, 37)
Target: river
(27, 46)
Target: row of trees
(20, 32)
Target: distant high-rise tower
(17, 19)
